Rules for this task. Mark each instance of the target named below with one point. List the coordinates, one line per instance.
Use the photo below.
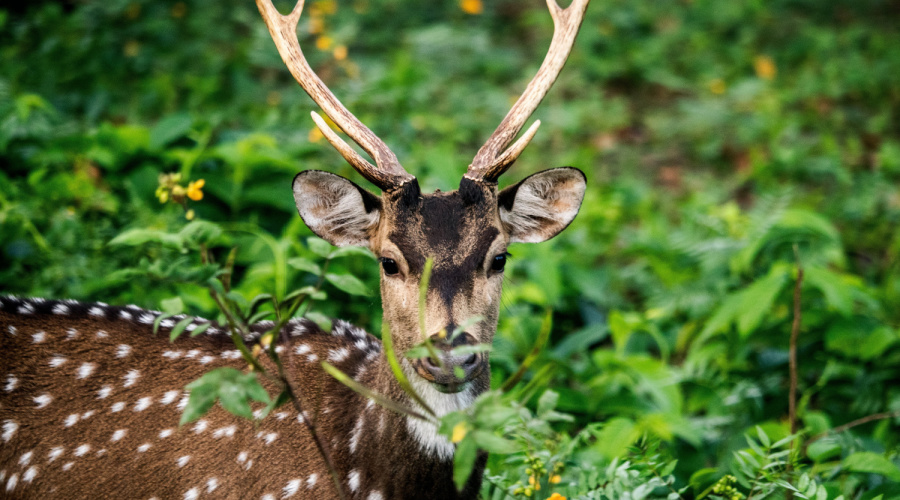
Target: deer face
(465, 232)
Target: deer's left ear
(335, 208)
(541, 205)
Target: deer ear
(541, 205)
(336, 209)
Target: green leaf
(823, 449)
(168, 129)
(179, 327)
(159, 319)
(493, 443)
(200, 401)
(200, 329)
(547, 402)
(172, 306)
(200, 231)
(464, 461)
(319, 246)
(137, 237)
(348, 283)
(304, 264)
(347, 251)
(873, 463)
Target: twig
(792, 357)
(860, 421)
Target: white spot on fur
(11, 483)
(101, 334)
(82, 450)
(184, 402)
(224, 432)
(281, 415)
(71, 333)
(25, 459)
(242, 457)
(88, 414)
(167, 323)
(131, 378)
(71, 420)
(123, 350)
(144, 447)
(232, 354)
(205, 360)
(68, 466)
(146, 318)
(200, 426)
(301, 349)
(55, 453)
(85, 370)
(96, 311)
(11, 383)
(172, 354)
(292, 488)
(118, 435)
(30, 474)
(312, 358)
(375, 495)
(125, 315)
(193, 353)
(353, 480)
(165, 433)
(356, 433)
(25, 308)
(42, 400)
(143, 403)
(104, 392)
(267, 496)
(211, 484)
(169, 397)
(270, 437)
(39, 337)
(60, 309)
(338, 355)
(311, 481)
(56, 361)
(116, 407)
(182, 461)
(192, 494)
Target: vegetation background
(726, 145)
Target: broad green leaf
(179, 327)
(493, 443)
(137, 237)
(319, 246)
(464, 461)
(823, 449)
(200, 231)
(873, 463)
(347, 251)
(304, 264)
(547, 402)
(172, 306)
(348, 283)
(168, 129)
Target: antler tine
(491, 160)
(387, 173)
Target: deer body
(91, 399)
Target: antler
(491, 160)
(388, 174)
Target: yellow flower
(189, 215)
(555, 479)
(340, 52)
(717, 86)
(534, 482)
(471, 6)
(459, 432)
(765, 67)
(195, 190)
(323, 42)
(556, 496)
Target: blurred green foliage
(724, 143)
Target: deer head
(466, 232)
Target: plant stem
(792, 361)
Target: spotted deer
(90, 398)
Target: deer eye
(499, 262)
(389, 266)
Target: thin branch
(792, 359)
(849, 425)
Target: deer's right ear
(335, 208)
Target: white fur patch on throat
(425, 433)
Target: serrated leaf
(348, 283)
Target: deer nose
(449, 371)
